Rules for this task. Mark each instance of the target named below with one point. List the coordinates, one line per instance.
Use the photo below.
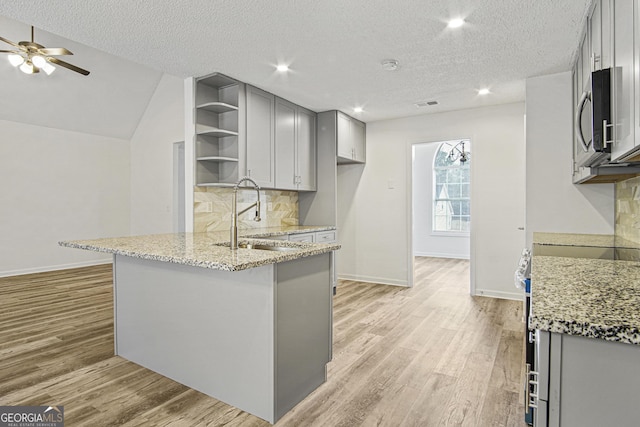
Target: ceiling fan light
(39, 61)
(27, 67)
(48, 68)
(15, 59)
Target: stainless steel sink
(265, 247)
(261, 246)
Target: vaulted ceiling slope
(108, 102)
(334, 47)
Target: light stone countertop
(594, 298)
(569, 239)
(590, 240)
(208, 250)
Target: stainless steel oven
(593, 121)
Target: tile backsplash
(212, 208)
(628, 210)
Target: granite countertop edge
(593, 298)
(208, 250)
(620, 333)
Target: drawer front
(326, 236)
(302, 237)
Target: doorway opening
(441, 201)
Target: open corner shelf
(216, 159)
(213, 131)
(217, 107)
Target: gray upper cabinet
(345, 144)
(600, 35)
(261, 137)
(351, 139)
(359, 138)
(612, 41)
(585, 56)
(241, 130)
(306, 149)
(295, 143)
(286, 178)
(623, 74)
(595, 36)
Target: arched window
(452, 185)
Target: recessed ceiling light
(456, 23)
(390, 64)
(484, 91)
(357, 110)
(283, 68)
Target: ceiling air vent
(426, 104)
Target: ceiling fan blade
(9, 42)
(69, 66)
(55, 51)
(9, 51)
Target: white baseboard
(515, 295)
(55, 267)
(441, 255)
(378, 280)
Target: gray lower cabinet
(329, 236)
(295, 143)
(586, 381)
(257, 339)
(260, 149)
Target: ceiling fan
(32, 57)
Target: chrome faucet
(234, 210)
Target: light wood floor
(430, 355)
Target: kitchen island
(585, 299)
(250, 327)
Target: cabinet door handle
(605, 137)
(594, 60)
(248, 172)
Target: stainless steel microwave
(593, 121)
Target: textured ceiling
(334, 47)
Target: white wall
(59, 185)
(376, 232)
(553, 203)
(425, 243)
(152, 158)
